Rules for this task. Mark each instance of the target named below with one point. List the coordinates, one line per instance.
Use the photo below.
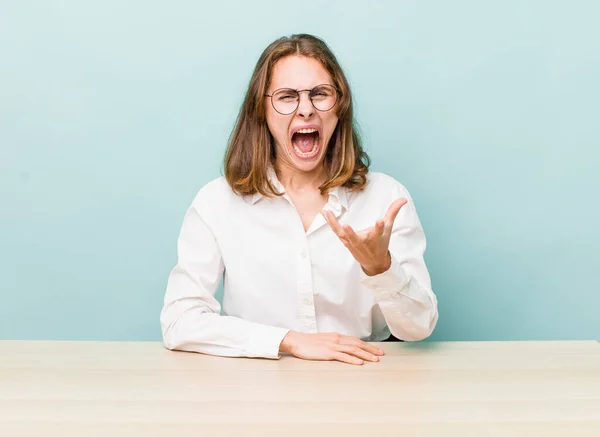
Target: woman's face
(301, 138)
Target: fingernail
(381, 351)
(375, 358)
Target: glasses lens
(285, 101)
(324, 97)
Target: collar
(272, 176)
(338, 196)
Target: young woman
(319, 256)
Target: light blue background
(113, 114)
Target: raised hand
(370, 247)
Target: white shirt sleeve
(403, 292)
(191, 319)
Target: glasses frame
(310, 97)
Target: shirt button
(303, 255)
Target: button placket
(306, 305)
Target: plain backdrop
(113, 114)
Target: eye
(286, 95)
(322, 92)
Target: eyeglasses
(286, 100)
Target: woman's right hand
(329, 346)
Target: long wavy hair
(251, 152)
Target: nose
(305, 106)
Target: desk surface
(420, 389)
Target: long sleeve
(191, 319)
(403, 292)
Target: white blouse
(277, 277)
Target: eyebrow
(298, 89)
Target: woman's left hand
(370, 247)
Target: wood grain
(418, 389)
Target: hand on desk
(330, 347)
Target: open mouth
(305, 143)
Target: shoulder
(215, 194)
(216, 186)
(382, 190)
(383, 183)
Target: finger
(378, 228)
(357, 352)
(333, 223)
(393, 211)
(345, 358)
(353, 341)
(351, 235)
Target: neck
(298, 181)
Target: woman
(319, 256)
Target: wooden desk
(422, 389)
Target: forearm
(409, 306)
(195, 330)
(191, 316)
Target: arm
(190, 318)
(403, 290)
(391, 256)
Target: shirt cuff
(387, 283)
(264, 342)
